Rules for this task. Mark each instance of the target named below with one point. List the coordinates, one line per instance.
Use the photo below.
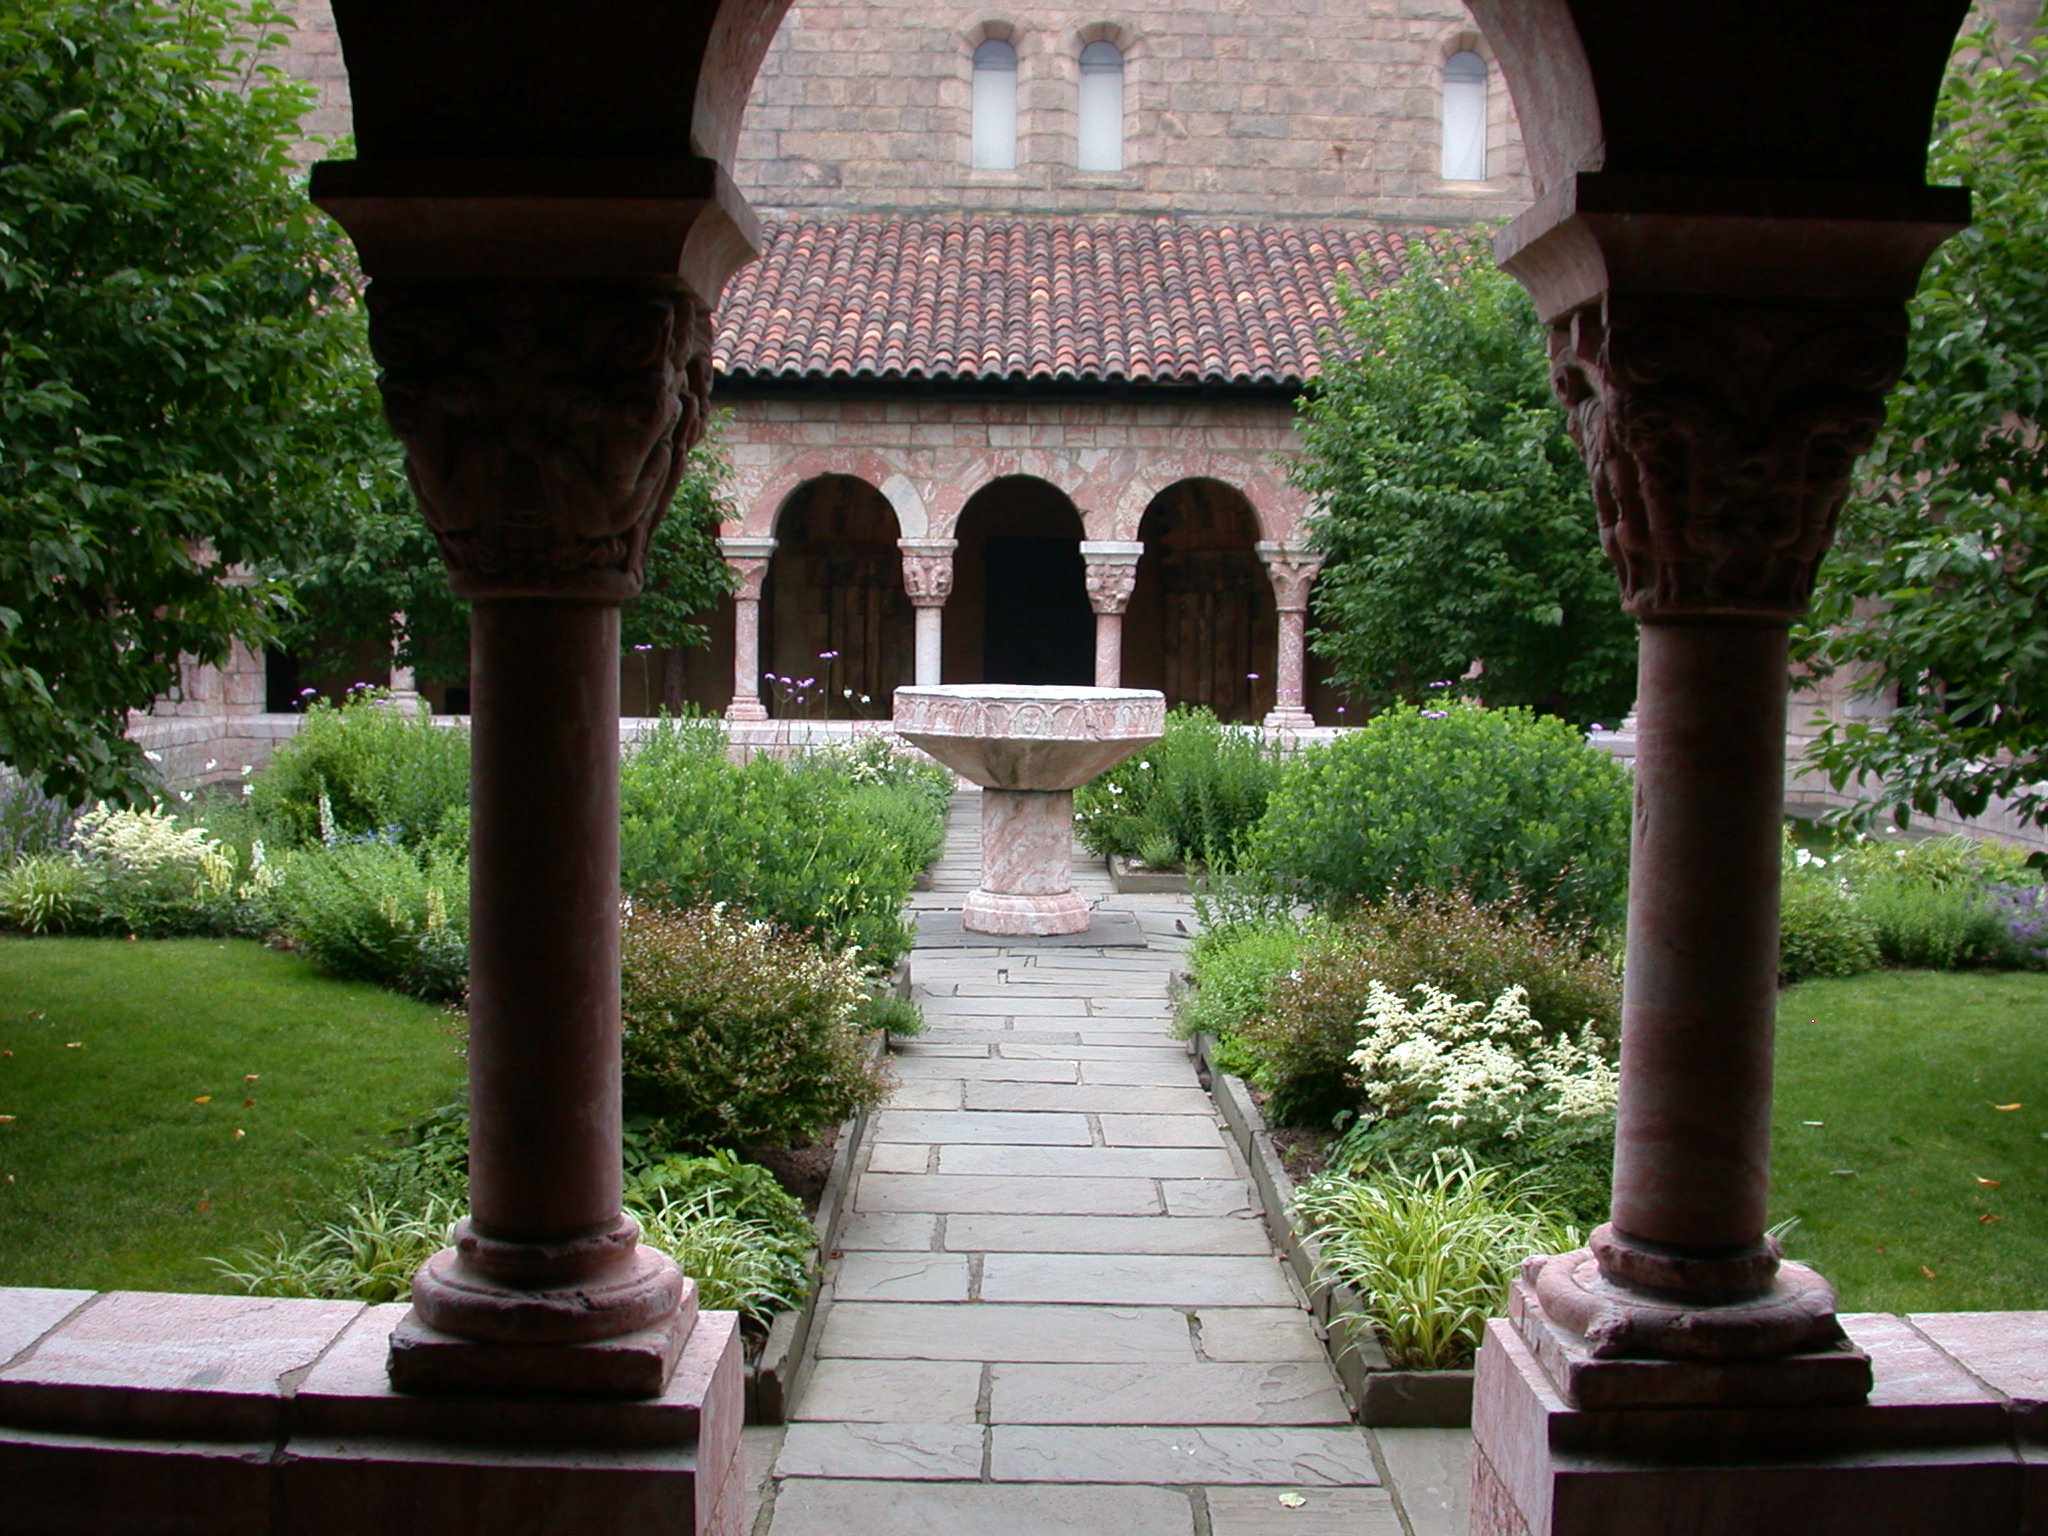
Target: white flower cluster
(1491, 1068)
(142, 842)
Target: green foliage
(686, 575)
(171, 313)
(367, 1251)
(1233, 976)
(738, 1265)
(882, 1010)
(1936, 596)
(1432, 1253)
(1821, 930)
(730, 1186)
(1190, 798)
(1933, 927)
(374, 912)
(822, 844)
(737, 1033)
(30, 821)
(1303, 1038)
(1457, 523)
(50, 893)
(366, 769)
(1502, 803)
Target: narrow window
(1465, 117)
(995, 106)
(1100, 116)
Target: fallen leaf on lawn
(74, 1045)
(206, 1205)
(1880, 1247)
(239, 1133)
(1292, 1500)
(1843, 1173)
(1930, 1274)
(1991, 1183)
(248, 1103)
(1813, 1122)
(6, 1053)
(204, 1098)
(2006, 1109)
(251, 1077)
(4, 1119)
(35, 1013)
(1987, 1219)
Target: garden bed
(1133, 877)
(1386, 1397)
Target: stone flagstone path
(1055, 1308)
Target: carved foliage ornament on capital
(1110, 585)
(928, 579)
(1721, 437)
(546, 423)
(1292, 576)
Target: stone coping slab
(1058, 1453)
(807, 1507)
(1205, 1393)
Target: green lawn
(1916, 1191)
(177, 1099)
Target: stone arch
(764, 507)
(1058, 470)
(1281, 510)
(836, 623)
(1019, 611)
(1202, 625)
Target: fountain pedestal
(1029, 748)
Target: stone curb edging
(1129, 879)
(775, 1378)
(1385, 1397)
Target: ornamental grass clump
(1431, 1252)
(738, 1033)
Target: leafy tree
(1936, 596)
(686, 575)
(1455, 519)
(170, 309)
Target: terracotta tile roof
(1048, 299)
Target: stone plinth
(1029, 748)
(183, 1415)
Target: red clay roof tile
(1048, 299)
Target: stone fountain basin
(1019, 737)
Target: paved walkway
(1055, 1309)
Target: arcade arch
(1019, 612)
(836, 627)
(1201, 626)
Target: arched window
(1099, 119)
(1465, 117)
(995, 106)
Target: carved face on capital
(545, 424)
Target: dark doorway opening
(1040, 627)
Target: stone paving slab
(1040, 1050)
(901, 1277)
(1013, 1006)
(1106, 1234)
(1162, 1131)
(1258, 1333)
(881, 1391)
(1207, 1197)
(1432, 1470)
(1087, 1098)
(1059, 1453)
(1134, 1279)
(1168, 1073)
(1280, 1392)
(1097, 1162)
(1017, 1128)
(898, 1157)
(862, 1230)
(984, 1068)
(810, 1508)
(1315, 1512)
(928, 1093)
(881, 1451)
(1076, 1335)
(1022, 1196)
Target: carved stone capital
(1721, 436)
(928, 570)
(1292, 570)
(749, 561)
(1111, 572)
(545, 422)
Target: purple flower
(1598, 728)
(1444, 684)
(1436, 714)
(1252, 676)
(828, 655)
(805, 683)
(643, 647)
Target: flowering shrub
(1302, 1039)
(1486, 1071)
(373, 912)
(31, 822)
(2023, 909)
(1192, 797)
(140, 872)
(1498, 802)
(740, 1033)
(366, 768)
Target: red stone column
(749, 561)
(928, 579)
(1112, 575)
(1721, 431)
(547, 389)
(1292, 571)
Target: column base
(1286, 719)
(1005, 912)
(638, 1364)
(1930, 1451)
(746, 710)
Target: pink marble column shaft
(1027, 865)
(1112, 576)
(749, 561)
(928, 580)
(1292, 571)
